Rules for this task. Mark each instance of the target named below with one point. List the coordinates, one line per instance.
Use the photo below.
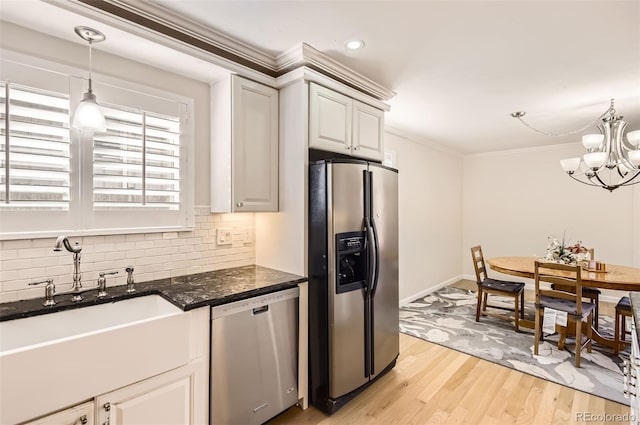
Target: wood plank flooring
(432, 384)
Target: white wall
(513, 200)
(430, 207)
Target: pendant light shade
(88, 115)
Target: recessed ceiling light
(354, 44)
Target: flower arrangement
(559, 252)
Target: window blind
(34, 148)
(136, 162)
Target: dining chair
(623, 310)
(570, 302)
(592, 294)
(487, 286)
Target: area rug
(447, 317)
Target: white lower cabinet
(81, 414)
(164, 399)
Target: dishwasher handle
(262, 309)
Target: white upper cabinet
(338, 123)
(244, 146)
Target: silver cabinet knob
(348, 148)
(239, 204)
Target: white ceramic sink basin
(60, 359)
(25, 333)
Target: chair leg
(624, 328)
(484, 302)
(522, 304)
(578, 341)
(596, 311)
(538, 332)
(589, 333)
(479, 303)
(616, 333)
(516, 314)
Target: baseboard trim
(429, 290)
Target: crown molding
(187, 35)
(305, 55)
(159, 14)
(414, 138)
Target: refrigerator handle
(376, 256)
(368, 361)
(376, 250)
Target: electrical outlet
(246, 233)
(223, 236)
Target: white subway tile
(16, 244)
(170, 235)
(135, 237)
(31, 253)
(10, 296)
(8, 254)
(152, 236)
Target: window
(54, 179)
(136, 163)
(34, 150)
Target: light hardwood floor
(432, 384)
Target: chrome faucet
(77, 276)
(130, 280)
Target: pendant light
(88, 115)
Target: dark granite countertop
(635, 306)
(186, 292)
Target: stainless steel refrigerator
(353, 278)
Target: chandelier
(610, 161)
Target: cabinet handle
(82, 420)
(348, 148)
(239, 204)
(356, 148)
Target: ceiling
(459, 68)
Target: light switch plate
(246, 234)
(223, 236)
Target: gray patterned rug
(447, 317)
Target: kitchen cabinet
(244, 146)
(338, 123)
(81, 414)
(166, 398)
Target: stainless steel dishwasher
(254, 358)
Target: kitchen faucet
(77, 277)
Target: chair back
(478, 263)
(561, 275)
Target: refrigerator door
(385, 298)
(345, 210)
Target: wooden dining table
(616, 277)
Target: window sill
(94, 232)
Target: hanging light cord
(90, 66)
(519, 115)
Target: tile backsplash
(153, 255)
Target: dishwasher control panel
(255, 303)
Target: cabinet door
(368, 131)
(81, 414)
(254, 146)
(330, 116)
(164, 399)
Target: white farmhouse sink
(60, 359)
(25, 333)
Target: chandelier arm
(582, 181)
(628, 182)
(545, 133)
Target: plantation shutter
(136, 162)
(34, 148)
